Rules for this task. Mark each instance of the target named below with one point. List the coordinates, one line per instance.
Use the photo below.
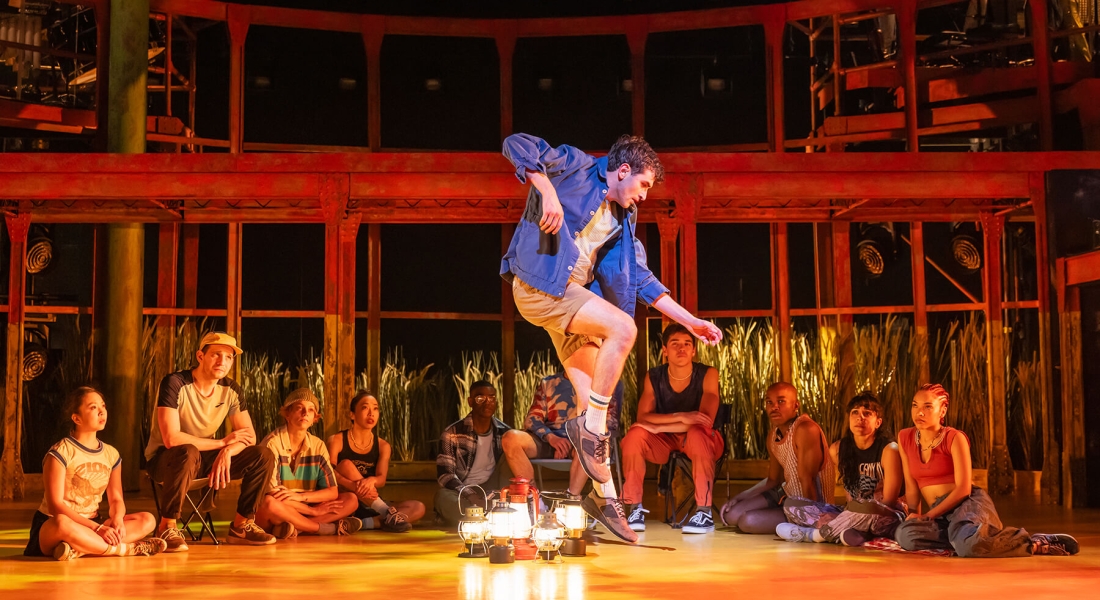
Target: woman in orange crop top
(935, 460)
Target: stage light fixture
(876, 249)
(433, 84)
(39, 250)
(966, 246)
(716, 80)
(545, 84)
(36, 354)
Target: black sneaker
(636, 520)
(251, 535)
(609, 512)
(1054, 544)
(592, 449)
(174, 539)
(700, 522)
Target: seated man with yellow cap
(303, 495)
(192, 406)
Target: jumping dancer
(577, 271)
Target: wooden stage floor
(665, 564)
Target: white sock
(118, 550)
(817, 537)
(369, 522)
(607, 490)
(595, 419)
(326, 529)
(379, 506)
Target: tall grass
(265, 383)
(821, 378)
(959, 362)
(542, 364)
(887, 364)
(747, 363)
(1024, 405)
(410, 402)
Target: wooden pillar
(1040, 43)
(11, 464)
(669, 227)
(506, 46)
(233, 286)
(238, 20)
(167, 261)
(374, 307)
(920, 298)
(781, 281)
(1050, 484)
(907, 34)
(373, 28)
(1073, 392)
(774, 25)
(508, 337)
(338, 354)
(1001, 476)
(636, 35)
(686, 203)
(842, 295)
(189, 237)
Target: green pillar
(122, 355)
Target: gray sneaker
(395, 522)
(174, 539)
(592, 449)
(64, 551)
(609, 512)
(148, 547)
(250, 535)
(1054, 544)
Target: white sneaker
(794, 533)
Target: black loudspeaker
(1073, 211)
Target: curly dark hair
(848, 465)
(635, 151)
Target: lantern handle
(483, 495)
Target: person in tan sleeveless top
(799, 467)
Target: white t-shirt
(484, 461)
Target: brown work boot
(592, 449)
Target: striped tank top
(784, 451)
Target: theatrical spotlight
(39, 249)
(876, 249)
(966, 246)
(35, 351)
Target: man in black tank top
(675, 413)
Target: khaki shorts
(554, 314)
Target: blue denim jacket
(544, 261)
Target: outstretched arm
(704, 330)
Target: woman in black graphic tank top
(869, 466)
(362, 461)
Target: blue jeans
(973, 529)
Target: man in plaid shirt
(470, 452)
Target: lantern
(523, 498)
(571, 515)
(473, 527)
(548, 536)
(500, 529)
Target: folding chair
(678, 461)
(201, 491)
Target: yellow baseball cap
(221, 339)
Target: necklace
(675, 378)
(935, 442)
(366, 446)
